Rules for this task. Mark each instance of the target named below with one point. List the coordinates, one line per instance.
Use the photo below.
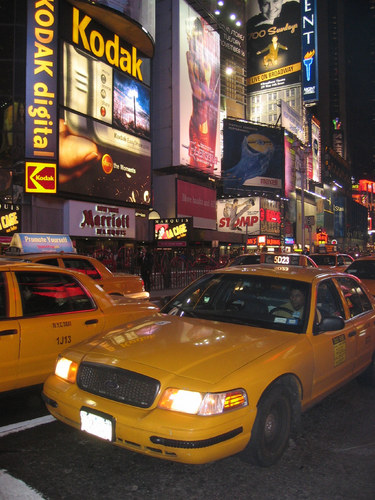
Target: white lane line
(14, 489)
(22, 426)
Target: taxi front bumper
(160, 433)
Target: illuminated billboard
(41, 124)
(172, 232)
(239, 215)
(196, 91)
(253, 156)
(105, 149)
(273, 44)
(309, 52)
(198, 202)
(316, 150)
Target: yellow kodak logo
(94, 42)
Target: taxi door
(362, 319)
(334, 351)
(58, 313)
(9, 336)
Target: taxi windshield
(253, 300)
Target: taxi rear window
(51, 293)
(83, 266)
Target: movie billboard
(273, 44)
(105, 149)
(253, 156)
(196, 91)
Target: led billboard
(105, 149)
(41, 124)
(273, 44)
(253, 156)
(196, 91)
(309, 52)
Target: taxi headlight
(204, 404)
(66, 369)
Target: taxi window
(355, 296)
(363, 269)
(328, 300)
(50, 262)
(3, 296)
(83, 266)
(324, 259)
(250, 300)
(51, 293)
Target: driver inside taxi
(295, 305)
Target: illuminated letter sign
(41, 80)
(92, 40)
(40, 177)
(309, 51)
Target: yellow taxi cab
(43, 309)
(226, 367)
(338, 261)
(130, 285)
(364, 269)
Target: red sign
(40, 177)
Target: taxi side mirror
(329, 324)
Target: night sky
(361, 86)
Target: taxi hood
(187, 347)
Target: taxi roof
(299, 273)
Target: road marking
(27, 424)
(15, 489)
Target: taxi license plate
(101, 426)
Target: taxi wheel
(272, 427)
(368, 376)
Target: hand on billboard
(76, 154)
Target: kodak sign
(40, 177)
(86, 34)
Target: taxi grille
(118, 384)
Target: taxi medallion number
(97, 425)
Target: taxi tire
(272, 428)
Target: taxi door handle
(352, 334)
(91, 322)
(8, 332)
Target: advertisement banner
(98, 220)
(316, 150)
(105, 149)
(239, 215)
(273, 44)
(168, 232)
(41, 125)
(196, 67)
(270, 217)
(10, 219)
(253, 156)
(195, 201)
(309, 52)
(292, 121)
